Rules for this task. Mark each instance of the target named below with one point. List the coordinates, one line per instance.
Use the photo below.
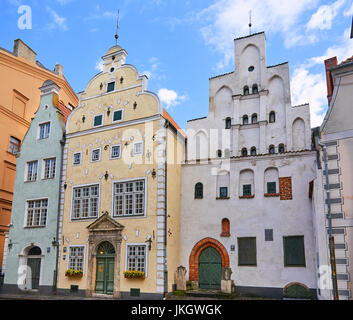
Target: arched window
(255, 89)
(219, 153)
(254, 118)
(228, 123)
(35, 251)
(246, 183)
(225, 228)
(271, 179)
(281, 148)
(223, 179)
(105, 248)
(244, 152)
(199, 190)
(272, 117)
(246, 91)
(253, 151)
(245, 119)
(271, 149)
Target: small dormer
(114, 57)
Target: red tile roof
(65, 111)
(346, 61)
(167, 116)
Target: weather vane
(117, 28)
(250, 25)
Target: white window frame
(133, 216)
(72, 218)
(94, 117)
(43, 168)
(110, 80)
(142, 148)
(26, 171)
(84, 256)
(100, 155)
(122, 116)
(111, 152)
(146, 255)
(39, 126)
(26, 214)
(73, 158)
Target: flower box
(134, 275)
(74, 273)
(268, 195)
(247, 197)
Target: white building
(245, 201)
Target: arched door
(33, 263)
(210, 269)
(105, 268)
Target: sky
(180, 44)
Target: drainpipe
(329, 218)
(166, 125)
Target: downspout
(329, 218)
(166, 125)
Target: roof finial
(117, 28)
(250, 25)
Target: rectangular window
(223, 192)
(32, 169)
(85, 202)
(294, 251)
(76, 256)
(247, 252)
(118, 115)
(98, 121)
(271, 187)
(138, 148)
(37, 213)
(49, 168)
(129, 198)
(77, 158)
(268, 234)
(96, 155)
(247, 190)
(14, 145)
(44, 130)
(111, 87)
(115, 152)
(136, 258)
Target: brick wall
(285, 188)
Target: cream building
(121, 188)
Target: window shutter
(294, 251)
(247, 251)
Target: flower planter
(134, 275)
(76, 274)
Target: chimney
(20, 49)
(329, 63)
(59, 69)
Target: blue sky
(180, 44)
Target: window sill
(247, 265)
(198, 198)
(247, 197)
(269, 195)
(222, 198)
(34, 227)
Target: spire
(117, 29)
(250, 25)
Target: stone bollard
(180, 278)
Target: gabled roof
(167, 116)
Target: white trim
(94, 117)
(84, 256)
(26, 171)
(142, 148)
(111, 152)
(100, 155)
(146, 256)
(122, 116)
(73, 159)
(43, 168)
(38, 130)
(115, 91)
(26, 211)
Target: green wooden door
(105, 275)
(210, 269)
(34, 265)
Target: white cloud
(99, 65)
(322, 19)
(170, 98)
(57, 21)
(64, 2)
(348, 12)
(154, 71)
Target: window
(85, 202)
(228, 123)
(268, 234)
(49, 168)
(271, 187)
(111, 86)
(253, 151)
(254, 118)
(271, 149)
(98, 120)
(251, 68)
(281, 148)
(255, 89)
(44, 130)
(225, 228)
(136, 258)
(272, 118)
(14, 145)
(138, 148)
(77, 158)
(37, 213)
(115, 152)
(245, 120)
(219, 153)
(246, 91)
(294, 251)
(129, 198)
(223, 192)
(76, 256)
(32, 170)
(118, 115)
(244, 152)
(199, 190)
(96, 153)
(247, 252)
(247, 190)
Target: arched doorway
(105, 268)
(33, 263)
(210, 269)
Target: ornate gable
(105, 223)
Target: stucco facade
(252, 159)
(126, 127)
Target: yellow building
(121, 194)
